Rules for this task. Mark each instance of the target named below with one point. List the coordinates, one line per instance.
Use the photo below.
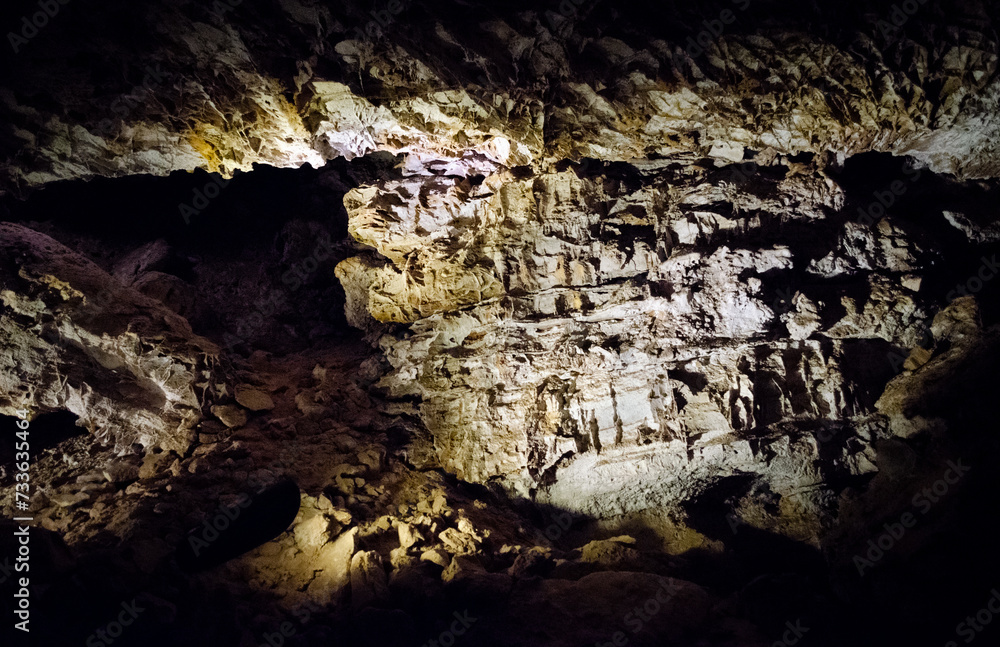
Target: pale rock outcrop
(529, 93)
(78, 340)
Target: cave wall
(688, 292)
(207, 87)
(705, 292)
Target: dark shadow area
(194, 211)
(46, 431)
(774, 580)
(230, 531)
(249, 262)
(867, 172)
(869, 364)
(757, 552)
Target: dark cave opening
(195, 210)
(285, 228)
(46, 431)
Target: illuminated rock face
(78, 340)
(731, 298)
(596, 334)
(613, 338)
(212, 89)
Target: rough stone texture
(535, 86)
(78, 340)
(254, 399)
(611, 340)
(597, 278)
(230, 415)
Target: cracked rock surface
(210, 87)
(571, 324)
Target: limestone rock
(368, 580)
(471, 120)
(408, 535)
(230, 415)
(621, 309)
(435, 556)
(149, 370)
(334, 559)
(254, 399)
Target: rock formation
(574, 322)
